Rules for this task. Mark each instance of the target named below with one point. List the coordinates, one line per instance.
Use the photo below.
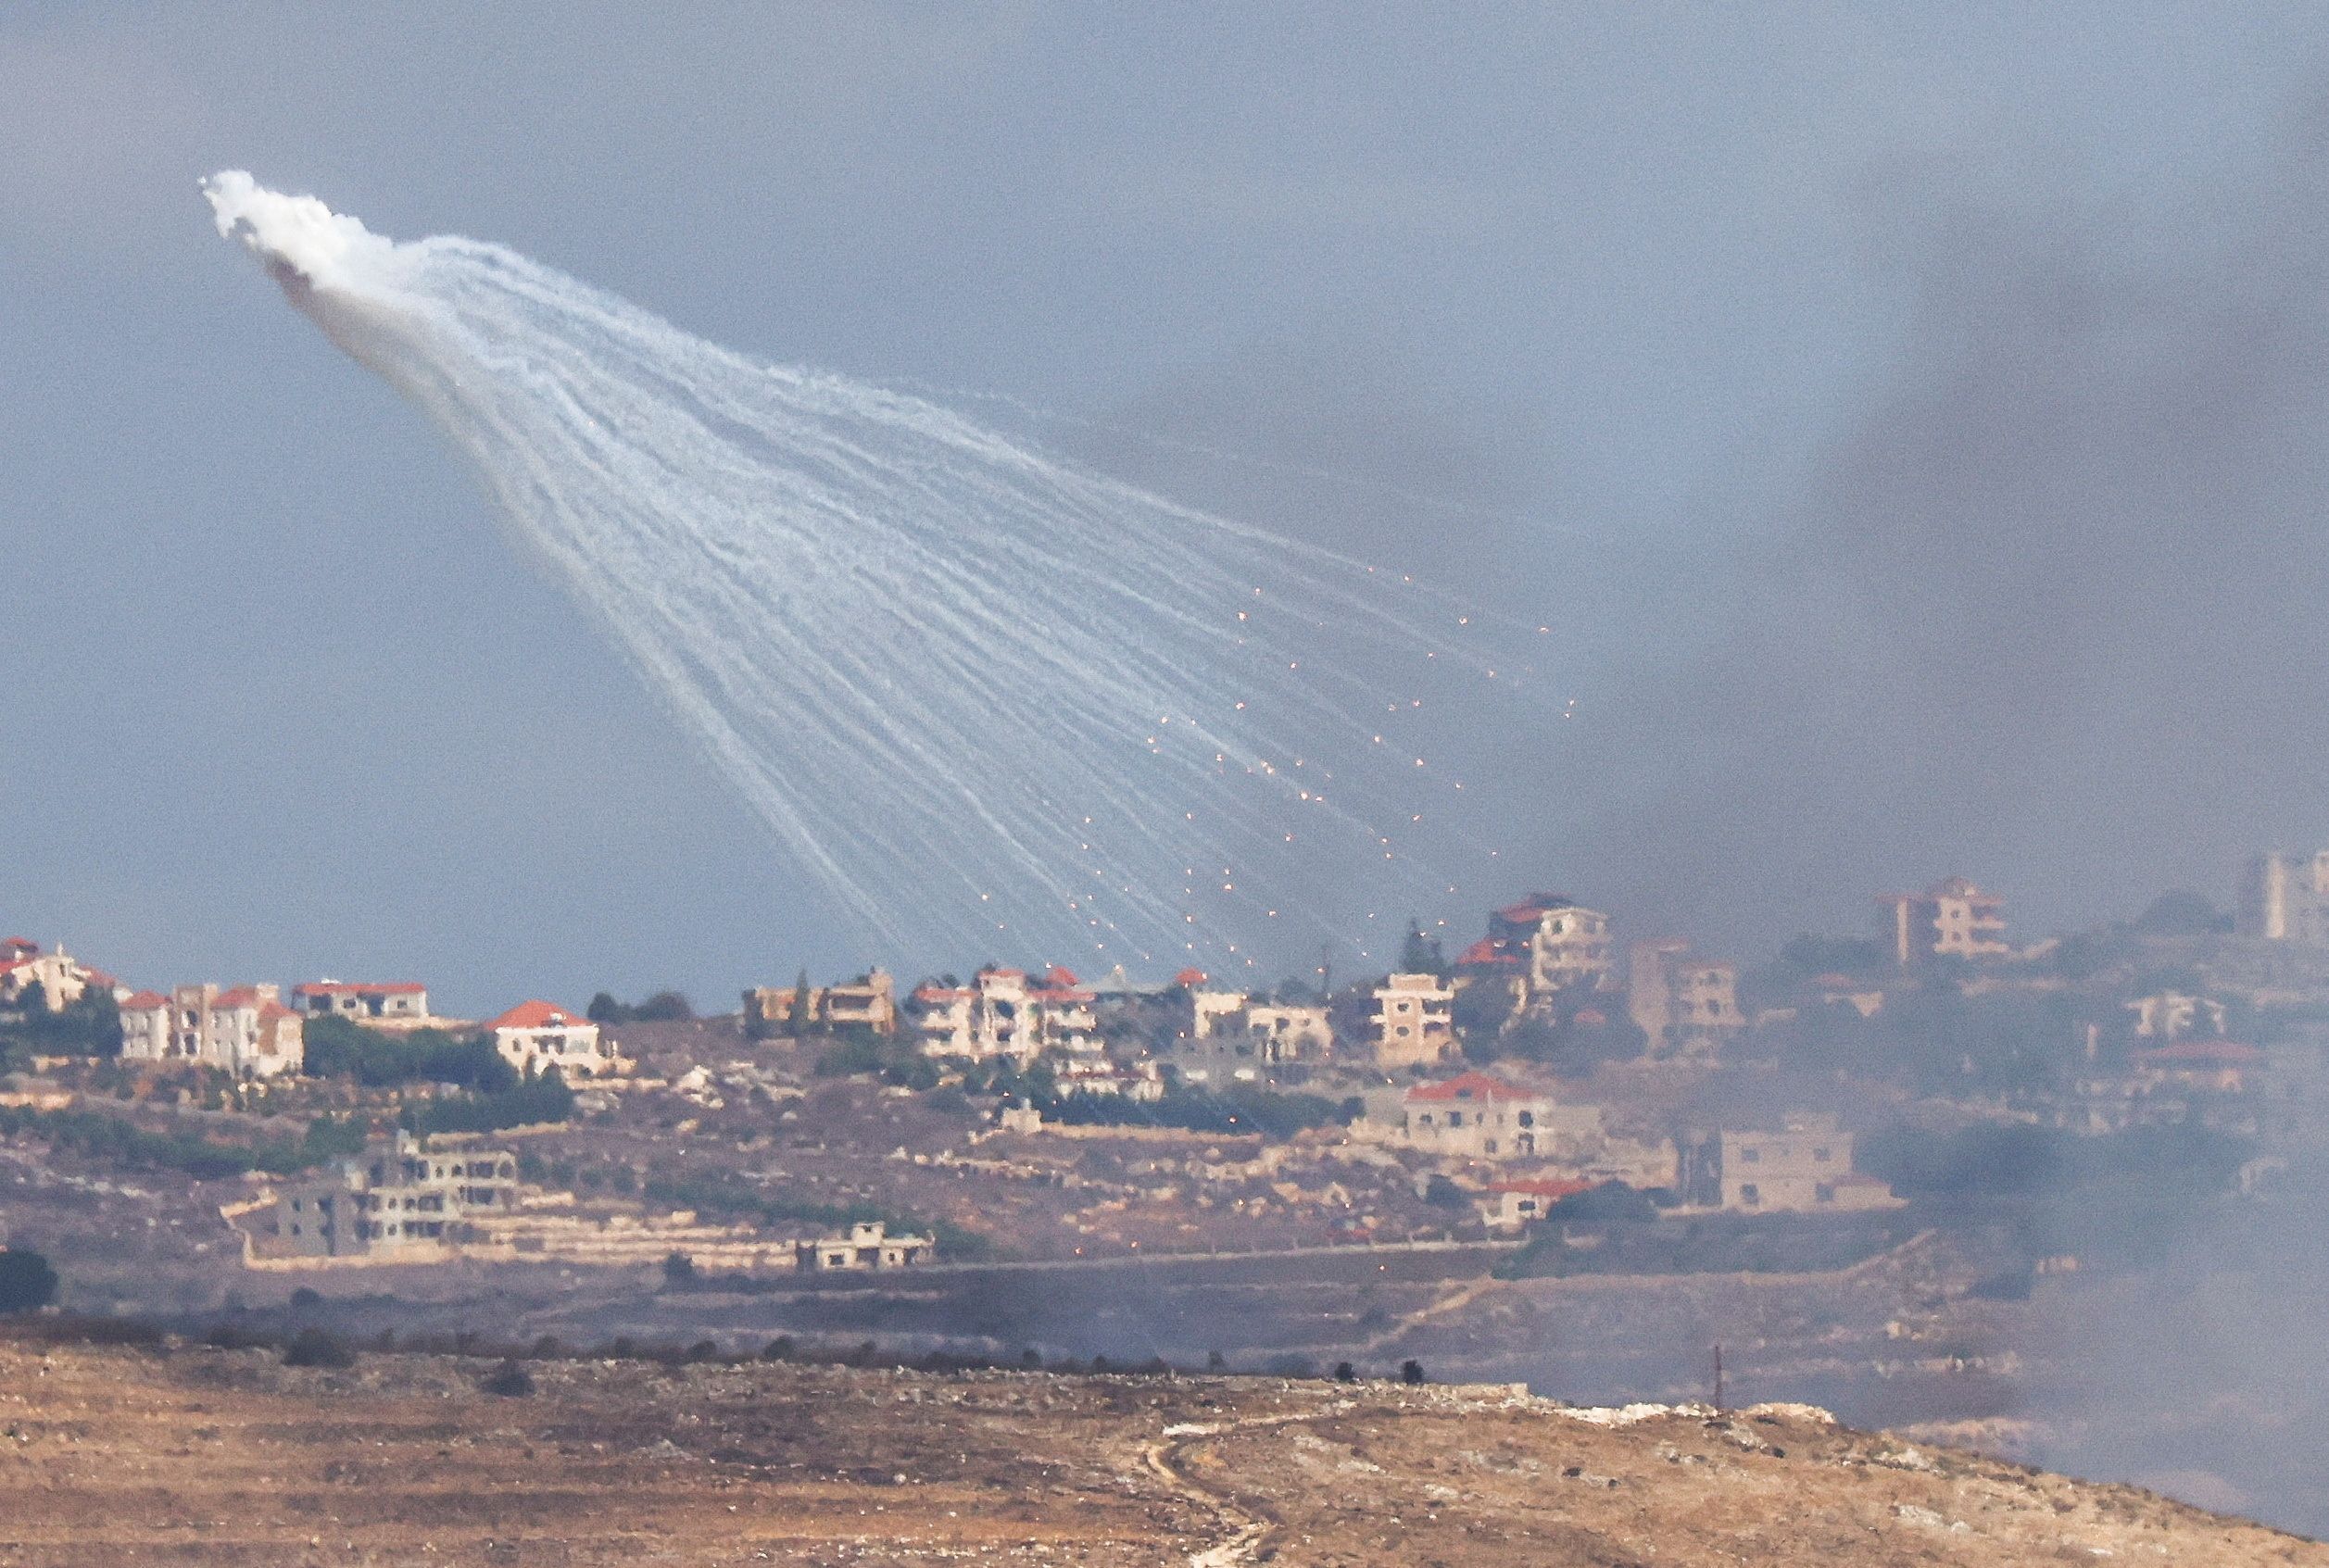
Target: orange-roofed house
(535, 1036)
(1562, 945)
(245, 1029)
(62, 977)
(1480, 1116)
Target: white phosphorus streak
(969, 685)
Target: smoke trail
(969, 687)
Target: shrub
(510, 1380)
(1411, 1372)
(312, 1347)
(27, 1283)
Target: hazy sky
(1906, 418)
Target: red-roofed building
(62, 977)
(1477, 1115)
(535, 1036)
(999, 1014)
(245, 1029)
(1561, 945)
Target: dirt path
(1253, 1522)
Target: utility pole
(1717, 1376)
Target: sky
(1903, 415)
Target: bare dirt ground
(189, 1455)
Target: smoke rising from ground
(2046, 612)
(976, 692)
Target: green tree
(27, 1283)
(799, 1020)
(1421, 954)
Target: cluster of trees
(337, 1048)
(663, 1007)
(89, 1025)
(530, 1101)
(1235, 1110)
(27, 1283)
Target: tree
(1411, 1372)
(604, 1008)
(1420, 954)
(799, 1020)
(663, 1007)
(2182, 913)
(27, 1283)
(679, 1270)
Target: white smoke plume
(972, 688)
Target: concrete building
(536, 1035)
(2286, 899)
(865, 1247)
(1951, 919)
(1803, 1167)
(383, 1002)
(870, 1002)
(1228, 1035)
(245, 1029)
(62, 978)
(399, 1199)
(1687, 1006)
(2172, 1015)
(1562, 945)
(1510, 1206)
(1413, 1024)
(1480, 1116)
(999, 1013)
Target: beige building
(1562, 945)
(1413, 1024)
(2286, 899)
(536, 1035)
(246, 1030)
(1687, 1006)
(386, 1002)
(1480, 1116)
(1000, 1013)
(1229, 1033)
(868, 1003)
(2172, 1015)
(1803, 1167)
(1951, 919)
(62, 977)
(865, 1247)
(398, 1198)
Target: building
(1805, 1166)
(399, 1199)
(1687, 1006)
(1951, 919)
(1562, 945)
(2286, 899)
(869, 1002)
(1413, 1024)
(62, 977)
(1227, 1034)
(867, 1246)
(535, 1036)
(2215, 1067)
(1480, 1116)
(1509, 1206)
(2172, 1015)
(999, 1013)
(384, 1002)
(246, 1030)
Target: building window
(1823, 1193)
(1750, 1155)
(1749, 1193)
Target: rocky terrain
(190, 1455)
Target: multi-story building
(62, 977)
(1540, 948)
(1413, 1024)
(1000, 1014)
(2286, 899)
(383, 1002)
(246, 1030)
(1687, 1006)
(1803, 1166)
(2172, 1015)
(1480, 1116)
(1228, 1031)
(398, 1198)
(870, 1002)
(535, 1036)
(1951, 919)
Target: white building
(382, 1002)
(1480, 1116)
(2286, 899)
(245, 1031)
(62, 977)
(1803, 1166)
(535, 1036)
(999, 1013)
(1687, 1006)
(1562, 945)
(1951, 919)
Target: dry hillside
(189, 1456)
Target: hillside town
(1555, 1070)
